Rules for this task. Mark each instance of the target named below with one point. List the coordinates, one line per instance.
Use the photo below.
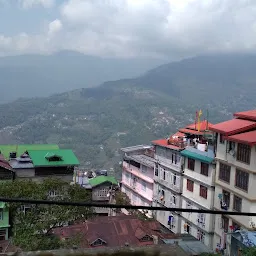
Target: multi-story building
(235, 175)
(168, 180)
(169, 170)
(137, 174)
(198, 191)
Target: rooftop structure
(20, 149)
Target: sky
(128, 28)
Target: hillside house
(4, 221)
(103, 188)
(58, 163)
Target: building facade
(198, 193)
(138, 174)
(168, 180)
(235, 176)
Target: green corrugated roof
(20, 149)
(102, 179)
(41, 157)
(196, 156)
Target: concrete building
(137, 174)
(235, 175)
(168, 180)
(198, 192)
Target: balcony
(168, 184)
(137, 172)
(166, 162)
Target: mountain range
(43, 75)
(97, 121)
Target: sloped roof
(115, 230)
(205, 157)
(20, 149)
(102, 179)
(233, 126)
(4, 163)
(204, 126)
(246, 138)
(249, 115)
(41, 157)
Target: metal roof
(143, 159)
(250, 114)
(246, 137)
(203, 156)
(15, 164)
(233, 126)
(135, 148)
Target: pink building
(138, 174)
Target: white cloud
(146, 27)
(54, 27)
(31, 3)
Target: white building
(198, 192)
(235, 175)
(168, 181)
(137, 175)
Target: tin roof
(246, 138)
(249, 115)
(233, 126)
(4, 163)
(102, 179)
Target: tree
(31, 227)
(250, 251)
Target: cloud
(54, 27)
(27, 4)
(165, 28)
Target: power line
(119, 206)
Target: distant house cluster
(201, 166)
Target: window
(237, 204)
(187, 228)
(146, 238)
(225, 222)
(231, 146)
(191, 164)
(200, 235)
(190, 185)
(98, 242)
(204, 169)
(242, 179)
(225, 199)
(243, 153)
(222, 141)
(201, 219)
(175, 158)
(224, 172)
(174, 179)
(203, 191)
(144, 168)
(1, 214)
(156, 170)
(173, 200)
(235, 226)
(144, 186)
(164, 175)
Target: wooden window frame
(203, 191)
(190, 185)
(191, 164)
(204, 169)
(224, 173)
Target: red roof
(4, 163)
(178, 134)
(189, 131)
(164, 143)
(250, 114)
(247, 138)
(115, 231)
(204, 126)
(233, 126)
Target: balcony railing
(136, 172)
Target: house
(38, 164)
(103, 189)
(235, 175)
(4, 221)
(114, 231)
(6, 171)
(138, 174)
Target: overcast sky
(127, 27)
